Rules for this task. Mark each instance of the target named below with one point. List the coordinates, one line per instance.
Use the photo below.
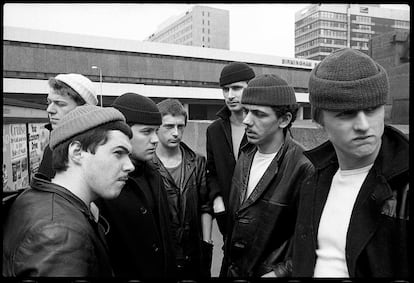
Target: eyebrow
(123, 148)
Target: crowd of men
(119, 194)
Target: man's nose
(247, 119)
(51, 108)
(154, 137)
(129, 166)
(361, 121)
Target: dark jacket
(187, 202)
(50, 232)
(45, 166)
(260, 228)
(220, 156)
(377, 238)
(140, 239)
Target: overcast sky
(254, 28)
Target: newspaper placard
(15, 163)
(38, 139)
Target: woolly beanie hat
(81, 85)
(236, 72)
(81, 119)
(138, 109)
(268, 90)
(348, 79)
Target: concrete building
(392, 50)
(201, 26)
(323, 28)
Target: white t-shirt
(333, 226)
(261, 162)
(237, 132)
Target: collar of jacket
(392, 158)
(251, 148)
(40, 183)
(224, 113)
(189, 156)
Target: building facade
(321, 29)
(201, 26)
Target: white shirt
(334, 223)
(261, 162)
(237, 132)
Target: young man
(265, 185)
(225, 137)
(183, 173)
(353, 213)
(66, 92)
(49, 230)
(140, 239)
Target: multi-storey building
(201, 26)
(321, 29)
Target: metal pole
(100, 80)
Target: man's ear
(75, 152)
(285, 120)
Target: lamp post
(100, 80)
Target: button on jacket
(140, 237)
(260, 227)
(377, 237)
(50, 232)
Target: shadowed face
(232, 95)
(106, 171)
(356, 134)
(58, 106)
(144, 141)
(171, 131)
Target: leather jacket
(187, 202)
(377, 241)
(51, 232)
(260, 227)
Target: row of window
(319, 24)
(319, 41)
(402, 24)
(321, 32)
(175, 28)
(174, 37)
(363, 19)
(321, 15)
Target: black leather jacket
(50, 232)
(187, 203)
(261, 227)
(377, 241)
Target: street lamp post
(100, 80)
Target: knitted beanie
(81, 119)
(236, 72)
(348, 79)
(81, 85)
(268, 90)
(138, 109)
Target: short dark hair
(63, 89)
(89, 141)
(281, 110)
(172, 107)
